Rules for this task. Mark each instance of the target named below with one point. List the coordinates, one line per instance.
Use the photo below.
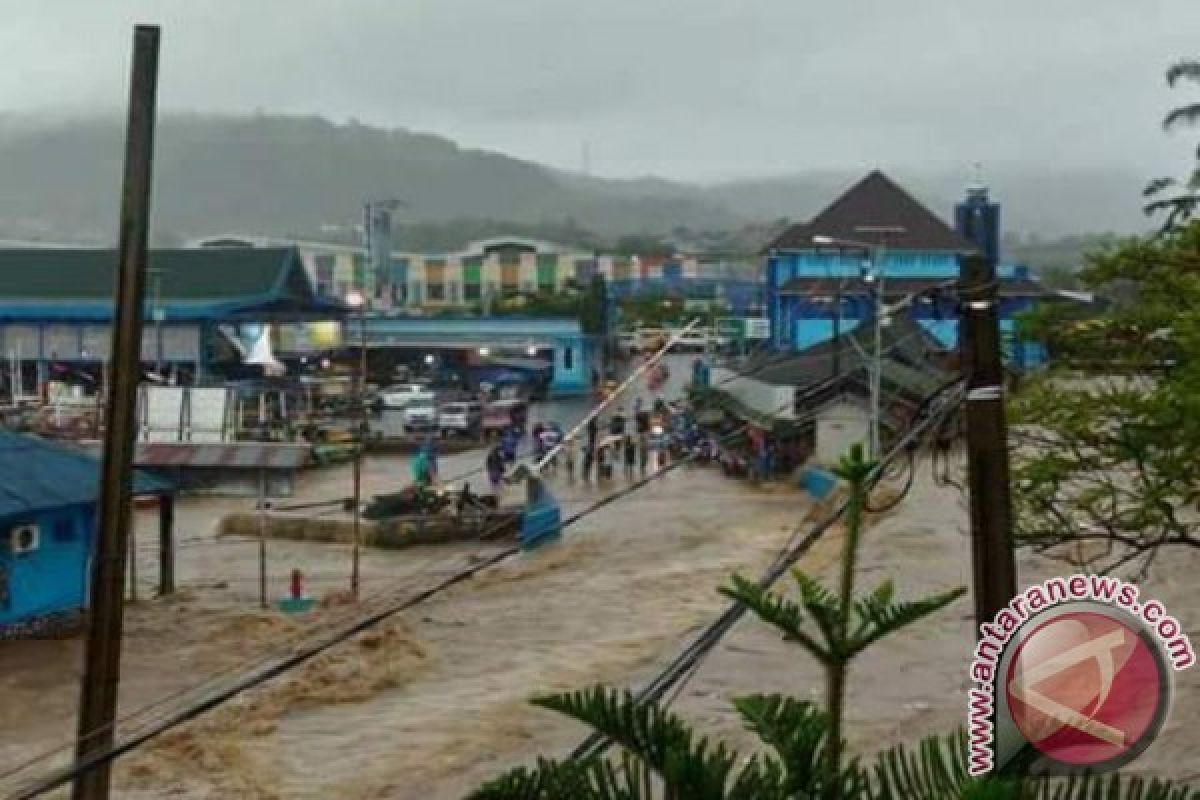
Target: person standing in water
(589, 455)
(568, 451)
(495, 468)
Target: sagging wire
(686, 664)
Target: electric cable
(686, 662)
(306, 653)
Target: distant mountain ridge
(293, 175)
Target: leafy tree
(593, 309)
(845, 625)
(1178, 199)
(1105, 443)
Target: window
(471, 292)
(436, 292)
(568, 358)
(398, 294)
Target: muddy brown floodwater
(433, 702)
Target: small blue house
(47, 532)
(815, 282)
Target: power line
(305, 653)
(276, 667)
(686, 663)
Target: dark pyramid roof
(876, 201)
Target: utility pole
(102, 657)
(360, 420)
(992, 559)
(877, 355)
(837, 330)
(878, 252)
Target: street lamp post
(358, 301)
(876, 278)
(157, 314)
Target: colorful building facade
(501, 267)
(817, 272)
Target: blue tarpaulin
(818, 482)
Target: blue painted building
(56, 307)
(47, 531)
(815, 277)
(558, 341)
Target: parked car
(464, 418)
(399, 395)
(691, 342)
(421, 413)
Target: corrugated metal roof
(235, 455)
(37, 475)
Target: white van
(421, 413)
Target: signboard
(757, 328)
(744, 327)
(730, 327)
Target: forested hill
(305, 176)
(281, 175)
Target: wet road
(568, 411)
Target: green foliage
(660, 756)
(1178, 200)
(1104, 444)
(593, 310)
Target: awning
(234, 455)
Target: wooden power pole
(102, 659)
(992, 557)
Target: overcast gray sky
(692, 89)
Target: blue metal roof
(37, 475)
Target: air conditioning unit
(24, 539)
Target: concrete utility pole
(358, 300)
(102, 658)
(993, 563)
(877, 257)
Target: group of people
(631, 446)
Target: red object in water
(297, 584)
